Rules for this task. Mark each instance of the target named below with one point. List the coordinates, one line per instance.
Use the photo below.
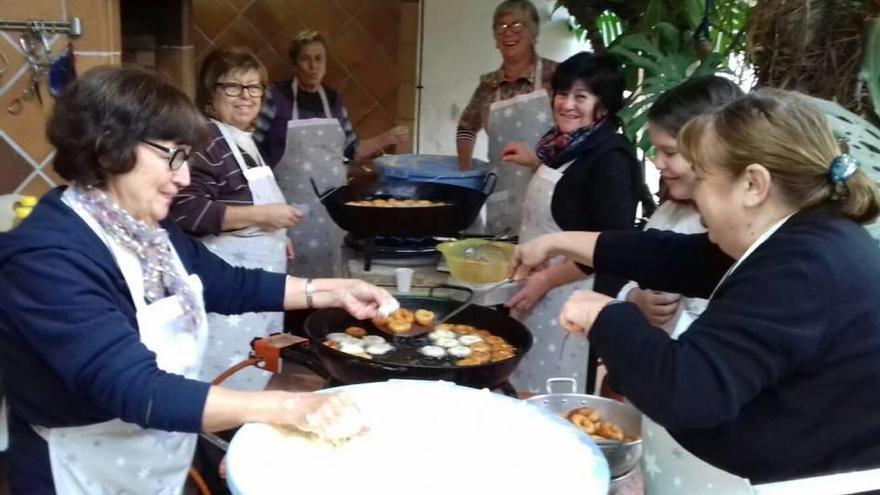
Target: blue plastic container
(431, 168)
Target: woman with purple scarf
(586, 173)
(103, 322)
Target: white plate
(425, 438)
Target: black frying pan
(353, 369)
(463, 205)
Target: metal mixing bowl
(622, 457)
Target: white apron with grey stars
(229, 336)
(522, 118)
(119, 457)
(669, 469)
(314, 149)
(552, 355)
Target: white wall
(457, 48)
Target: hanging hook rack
(72, 28)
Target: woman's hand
(532, 291)
(520, 154)
(363, 300)
(658, 307)
(396, 136)
(581, 310)
(530, 257)
(276, 216)
(332, 416)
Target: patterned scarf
(556, 148)
(152, 247)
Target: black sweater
(599, 192)
(780, 376)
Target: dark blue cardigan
(69, 346)
(780, 376)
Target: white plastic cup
(403, 277)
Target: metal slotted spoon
(486, 251)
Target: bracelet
(310, 291)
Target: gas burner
(391, 247)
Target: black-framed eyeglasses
(176, 156)
(514, 27)
(234, 89)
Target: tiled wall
(25, 155)
(372, 62)
(372, 48)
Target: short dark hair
(602, 75)
(101, 118)
(222, 61)
(695, 96)
(302, 39)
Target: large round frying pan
(462, 207)
(353, 369)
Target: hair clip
(842, 168)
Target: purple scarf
(152, 247)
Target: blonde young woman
(775, 381)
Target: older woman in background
(304, 132)
(511, 104)
(103, 326)
(234, 204)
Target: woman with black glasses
(103, 322)
(234, 205)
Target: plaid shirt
(476, 114)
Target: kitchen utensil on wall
(35, 48)
(62, 71)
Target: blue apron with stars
(313, 149)
(524, 118)
(119, 457)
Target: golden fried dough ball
(468, 361)
(444, 327)
(501, 355)
(610, 431)
(494, 340)
(356, 332)
(398, 325)
(588, 412)
(380, 322)
(463, 329)
(480, 347)
(403, 314)
(583, 423)
(424, 317)
(480, 357)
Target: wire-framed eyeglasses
(176, 156)
(234, 89)
(514, 27)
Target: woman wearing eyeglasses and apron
(235, 206)
(513, 105)
(305, 133)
